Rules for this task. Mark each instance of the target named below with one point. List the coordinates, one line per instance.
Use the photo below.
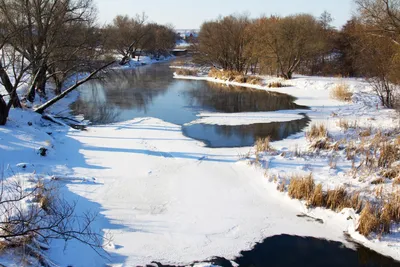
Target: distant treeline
(368, 45)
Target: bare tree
(126, 35)
(290, 41)
(159, 40)
(380, 47)
(13, 67)
(384, 15)
(45, 24)
(224, 42)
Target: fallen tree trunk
(54, 100)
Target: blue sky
(188, 14)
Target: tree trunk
(41, 80)
(9, 88)
(31, 90)
(3, 111)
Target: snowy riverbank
(294, 155)
(167, 198)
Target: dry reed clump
(396, 181)
(301, 187)
(397, 140)
(366, 133)
(368, 221)
(317, 131)
(337, 199)
(341, 92)
(276, 85)
(394, 207)
(241, 79)
(391, 173)
(321, 144)
(263, 145)
(318, 198)
(345, 124)
(373, 218)
(255, 80)
(43, 196)
(378, 181)
(388, 154)
(223, 74)
(186, 72)
(179, 63)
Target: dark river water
(295, 251)
(151, 91)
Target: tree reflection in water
(151, 91)
(232, 99)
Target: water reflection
(151, 91)
(232, 99)
(242, 135)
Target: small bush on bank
(341, 92)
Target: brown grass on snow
(301, 187)
(263, 145)
(317, 131)
(276, 85)
(368, 221)
(341, 92)
(186, 72)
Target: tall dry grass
(186, 72)
(341, 92)
(317, 131)
(301, 187)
